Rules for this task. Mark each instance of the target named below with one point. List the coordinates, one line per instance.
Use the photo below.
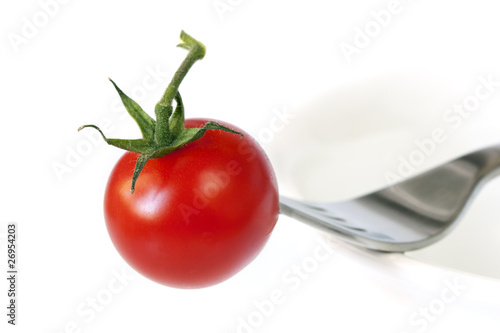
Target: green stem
(163, 109)
(168, 132)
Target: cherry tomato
(199, 214)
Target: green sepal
(144, 121)
(177, 118)
(139, 165)
(140, 146)
(189, 135)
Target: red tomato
(199, 214)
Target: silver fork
(408, 215)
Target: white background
(350, 120)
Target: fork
(408, 215)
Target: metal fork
(408, 215)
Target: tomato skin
(199, 214)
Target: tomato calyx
(167, 133)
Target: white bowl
(351, 140)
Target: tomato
(193, 201)
(199, 214)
